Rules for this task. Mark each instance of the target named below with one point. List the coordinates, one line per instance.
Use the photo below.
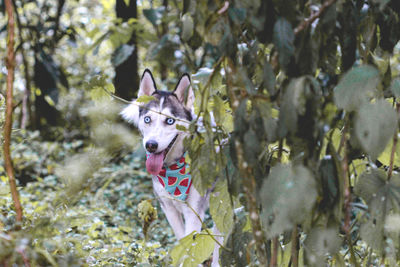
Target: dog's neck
(176, 151)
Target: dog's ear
(184, 91)
(147, 84)
(131, 113)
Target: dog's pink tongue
(154, 163)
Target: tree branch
(295, 247)
(347, 192)
(56, 36)
(275, 240)
(305, 23)
(249, 183)
(10, 63)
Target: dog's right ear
(147, 87)
(147, 84)
(131, 113)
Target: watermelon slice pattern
(176, 179)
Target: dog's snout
(151, 146)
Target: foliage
(193, 249)
(98, 226)
(303, 140)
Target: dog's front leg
(194, 211)
(174, 218)
(217, 236)
(168, 206)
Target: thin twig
(57, 22)
(305, 23)
(275, 240)
(274, 256)
(347, 193)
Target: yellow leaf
(193, 249)
(145, 99)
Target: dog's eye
(147, 119)
(170, 121)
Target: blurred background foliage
(306, 91)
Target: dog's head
(157, 120)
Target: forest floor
(85, 222)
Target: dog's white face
(157, 120)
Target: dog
(157, 122)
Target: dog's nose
(151, 146)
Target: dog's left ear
(184, 91)
(147, 84)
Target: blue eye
(170, 121)
(147, 119)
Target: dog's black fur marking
(177, 112)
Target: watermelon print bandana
(176, 179)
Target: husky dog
(172, 183)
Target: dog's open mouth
(155, 161)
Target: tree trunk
(164, 30)
(10, 63)
(126, 79)
(45, 114)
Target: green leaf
(329, 182)
(238, 242)
(382, 3)
(187, 26)
(98, 93)
(4, 190)
(110, 87)
(252, 147)
(121, 54)
(204, 165)
(288, 196)
(295, 98)
(370, 182)
(181, 128)
(145, 99)
(269, 78)
(240, 119)
(154, 15)
(383, 197)
(395, 87)
(220, 207)
(101, 90)
(237, 15)
(356, 87)
(319, 243)
(283, 39)
(202, 75)
(375, 125)
(192, 250)
(384, 157)
(218, 109)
